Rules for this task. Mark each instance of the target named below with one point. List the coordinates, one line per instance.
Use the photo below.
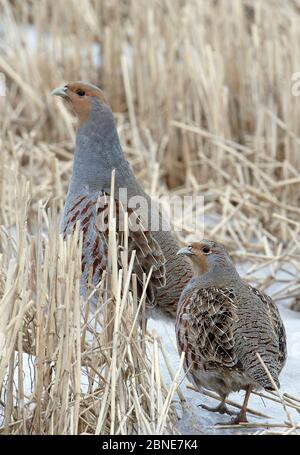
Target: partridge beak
(186, 251)
(60, 91)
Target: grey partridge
(97, 153)
(222, 323)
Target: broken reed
(64, 370)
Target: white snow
(45, 42)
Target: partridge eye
(80, 92)
(206, 250)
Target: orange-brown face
(80, 95)
(203, 254)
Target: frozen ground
(196, 420)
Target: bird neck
(218, 277)
(97, 153)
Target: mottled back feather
(223, 329)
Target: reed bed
(202, 92)
(64, 370)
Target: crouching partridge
(97, 153)
(222, 323)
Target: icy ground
(196, 420)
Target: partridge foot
(221, 409)
(240, 418)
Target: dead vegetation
(202, 92)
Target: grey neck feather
(220, 274)
(97, 153)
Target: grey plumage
(97, 153)
(223, 322)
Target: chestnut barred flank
(97, 154)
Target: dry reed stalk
(203, 102)
(125, 392)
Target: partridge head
(211, 261)
(83, 98)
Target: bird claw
(240, 418)
(221, 409)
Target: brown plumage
(222, 323)
(98, 152)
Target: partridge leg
(242, 415)
(221, 408)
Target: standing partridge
(222, 323)
(97, 153)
